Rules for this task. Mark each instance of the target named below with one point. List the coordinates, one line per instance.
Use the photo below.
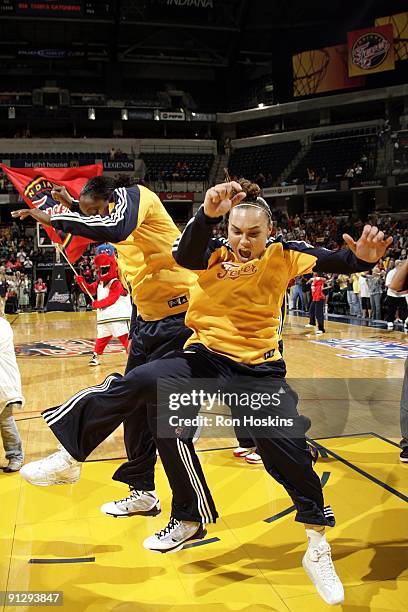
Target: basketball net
(310, 71)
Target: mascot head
(105, 263)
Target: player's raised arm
(361, 255)
(60, 194)
(35, 213)
(194, 247)
(95, 221)
(371, 246)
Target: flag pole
(57, 246)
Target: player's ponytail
(253, 197)
(252, 190)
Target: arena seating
(337, 151)
(269, 160)
(177, 166)
(358, 131)
(56, 157)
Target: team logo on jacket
(234, 270)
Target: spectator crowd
(23, 285)
(23, 267)
(366, 295)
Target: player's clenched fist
(60, 194)
(221, 198)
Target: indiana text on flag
(35, 185)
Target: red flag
(35, 185)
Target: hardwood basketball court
(56, 539)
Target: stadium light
(91, 114)
(125, 114)
(11, 112)
(261, 105)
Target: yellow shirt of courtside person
(143, 232)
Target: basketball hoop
(400, 27)
(399, 24)
(310, 71)
(401, 48)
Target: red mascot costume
(113, 306)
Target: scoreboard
(57, 8)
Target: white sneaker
(403, 455)
(253, 459)
(318, 565)
(94, 361)
(58, 468)
(309, 325)
(390, 326)
(145, 503)
(14, 465)
(319, 332)
(241, 451)
(174, 535)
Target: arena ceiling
(216, 33)
(231, 41)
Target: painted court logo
(366, 349)
(64, 348)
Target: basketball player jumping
(234, 314)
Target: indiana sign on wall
(371, 50)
